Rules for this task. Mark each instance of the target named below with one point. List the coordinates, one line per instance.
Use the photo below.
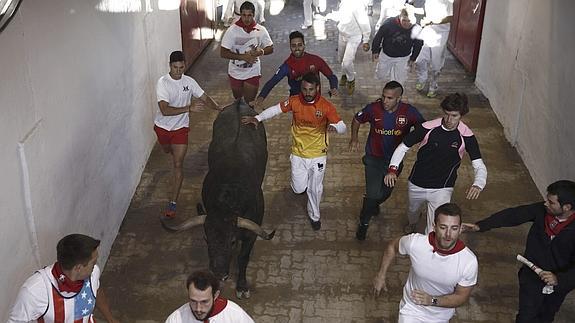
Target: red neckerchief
(459, 245)
(219, 305)
(315, 99)
(247, 28)
(65, 284)
(553, 226)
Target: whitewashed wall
(527, 70)
(77, 97)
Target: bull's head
(224, 207)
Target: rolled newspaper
(547, 289)
(529, 264)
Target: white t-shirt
(178, 94)
(35, 298)
(238, 41)
(233, 313)
(436, 10)
(434, 274)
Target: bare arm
(210, 102)
(248, 57)
(268, 50)
(390, 251)
(459, 297)
(354, 141)
(103, 306)
(168, 110)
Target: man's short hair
(449, 209)
(392, 85)
(565, 191)
(456, 102)
(248, 6)
(177, 56)
(296, 34)
(202, 279)
(311, 77)
(75, 249)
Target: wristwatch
(434, 301)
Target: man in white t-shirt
(436, 23)
(66, 291)
(443, 270)
(354, 28)
(206, 304)
(172, 122)
(243, 43)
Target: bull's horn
(255, 228)
(169, 224)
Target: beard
(204, 314)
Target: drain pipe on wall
(29, 213)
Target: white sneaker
(304, 27)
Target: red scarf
(65, 284)
(553, 226)
(459, 245)
(247, 28)
(219, 305)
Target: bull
(232, 193)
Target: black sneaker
(315, 225)
(361, 231)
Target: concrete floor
(325, 276)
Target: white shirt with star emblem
(36, 299)
(178, 94)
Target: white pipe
(29, 213)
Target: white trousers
(391, 68)
(435, 197)
(414, 319)
(307, 173)
(307, 12)
(432, 55)
(346, 49)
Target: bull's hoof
(245, 294)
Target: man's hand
(379, 284)
(473, 192)
(365, 47)
(247, 120)
(420, 297)
(353, 145)
(374, 57)
(331, 129)
(469, 227)
(390, 179)
(248, 57)
(425, 22)
(549, 278)
(334, 92)
(257, 52)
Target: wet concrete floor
(324, 276)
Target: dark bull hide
(232, 193)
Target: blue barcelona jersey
(387, 129)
